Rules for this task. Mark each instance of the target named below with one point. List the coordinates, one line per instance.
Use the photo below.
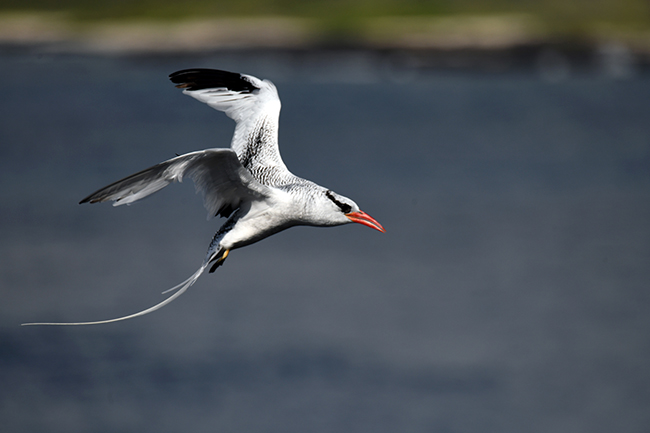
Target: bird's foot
(219, 259)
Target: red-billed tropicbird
(248, 183)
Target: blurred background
(504, 145)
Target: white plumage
(248, 183)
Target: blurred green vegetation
(345, 16)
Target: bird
(248, 183)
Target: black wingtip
(91, 198)
(197, 79)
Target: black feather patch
(226, 210)
(345, 208)
(197, 79)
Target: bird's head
(343, 211)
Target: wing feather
(252, 103)
(217, 173)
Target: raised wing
(252, 103)
(216, 172)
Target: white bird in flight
(248, 183)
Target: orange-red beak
(363, 218)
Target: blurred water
(509, 294)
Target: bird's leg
(216, 252)
(219, 258)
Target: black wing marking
(197, 79)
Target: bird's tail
(182, 287)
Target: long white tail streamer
(182, 287)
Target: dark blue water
(509, 294)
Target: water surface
(509, 294)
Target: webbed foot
(219, 259)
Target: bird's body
(248, 183)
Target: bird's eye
(345, 208)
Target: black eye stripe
(345, 208)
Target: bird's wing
(217, 173)
(252, 103)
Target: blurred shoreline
(492, 44)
